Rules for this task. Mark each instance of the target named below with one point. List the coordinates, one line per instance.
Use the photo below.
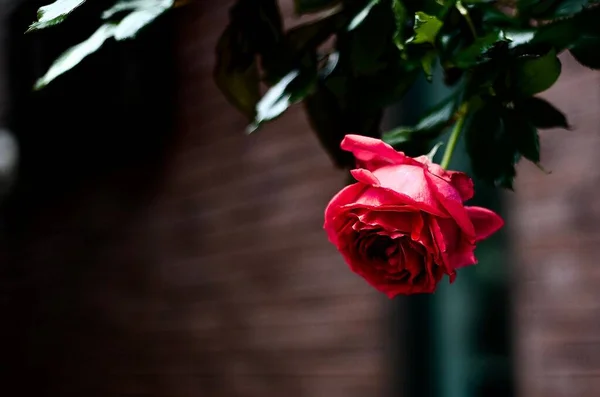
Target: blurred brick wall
(206, 274)
(555, 232)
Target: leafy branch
(357, 57)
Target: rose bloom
(403, 225)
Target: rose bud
(403, 225)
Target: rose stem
(453, 140)
(465, 13)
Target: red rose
(403, 225)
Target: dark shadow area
(92, 147)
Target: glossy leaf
(478, 51)
(54, 13)
(541, 113)
(142, 13)
(362, 15)
(311, 6)
(291, 89)
(536, 74)
(426, 28)
(76, 54)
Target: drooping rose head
(403, 225)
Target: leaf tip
(541, 168)
(252, 127)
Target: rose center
(378, 248)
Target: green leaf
(523, 133)
(291, 89)
(76, 54)
(566, 8)
(430, 126)
(362, 15)
(142, 13)
(369, 49)
(541, 113)
(236, 73)
(587, 51)
(491, 148)
(383, 88)
(54, 13)
(585, 46)
(309, 36)
(534, 74)
(426, 28)
(331, 120)
(551, 9)
(400, 17)
(329, 65)
(478, 51)
(492, 16)
(428, 62)
(311, 6)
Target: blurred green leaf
(492, 150)
(430, 126)
(309, 36)
(426, 28)
(331, 120)
(362, 15)
(541, 113)
(523, 133)
(54, 13)
(585, 46)
(236, 73)
(587, 51)
(327, 67)
(428, 62)
(568, 8)
(311, 6)
(400, 17)
(476, 52)
(534, 74)
(550, 9)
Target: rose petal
(484, 221)
(410, 181)
(459, 180)
(456, 250)
(347, 195)
(451, 200)
(373, 153)
(408, 222)
(365, 176)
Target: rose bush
(403, 225)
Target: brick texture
(554, 231)
(206, 274)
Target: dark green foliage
(357, 57)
